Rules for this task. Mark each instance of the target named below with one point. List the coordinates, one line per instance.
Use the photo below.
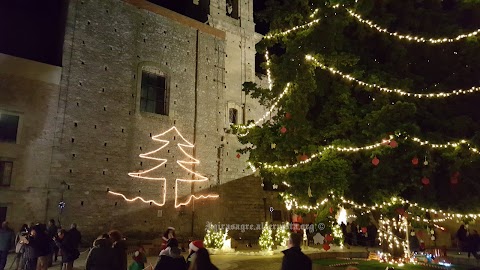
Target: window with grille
(5, 172)
(233, 116)
(8, 127)
(154, 93)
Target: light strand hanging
(384, 142)
(400, 92)
(376, 27)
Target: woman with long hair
(169, 234)
(202, 261)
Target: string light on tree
(384, 142)
(400, 92)
(408, 37)
(147, 174)
(252, 125)
(282, 234)
(266, 241)
(376, 27)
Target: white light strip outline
(376, 27)
(388, 90)
(162, 162)
(137, 198)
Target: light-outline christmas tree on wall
(182, 163)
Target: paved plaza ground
(248, 262)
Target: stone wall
(30, 90)
(102, 131)
(241, 201)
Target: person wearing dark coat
(100, 256)
(7, 238)
(119, 249)
(68, 245)
(75, 235)
(293, 258)
(52, 231)
(473, 244)
(201, 261)
(171, 257)
(462, 238)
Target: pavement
(243, 261)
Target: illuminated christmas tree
(214, 237)
(266, 241)
(150, 173)
(283, 234)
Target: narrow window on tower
(233, 116)
(5, 173)
(154, 93)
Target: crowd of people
(353, 235)
(37, 246)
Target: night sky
(34, 29)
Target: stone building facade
(132, 70)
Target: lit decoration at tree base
(147, 174)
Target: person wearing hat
(193, 247)
(169, 234)
(171, 257)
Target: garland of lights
(389, 90)
(292, 203)
(408, 37)
(252, 125)
(384, 142)
(162, 162)
(376, 27)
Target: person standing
(75, 235)
(462, 238)
(69, 248)
(100, 256)
(473, 244)
(293, 258)
(202, 261)
(7, 238)
(119, 249)
(169, 234)
(19, 246)
(193, 247)
(52, 231)
(171, 257)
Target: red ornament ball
(415, 161)
(326, 246)
(303, 157)
(330, 210)
(238, 155)
(393, 144)
(364, 229)
(375, 161)
(288, 115)
(425, 181)
(283, 130)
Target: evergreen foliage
(326, 109)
